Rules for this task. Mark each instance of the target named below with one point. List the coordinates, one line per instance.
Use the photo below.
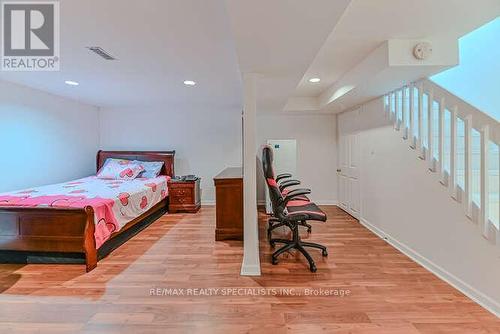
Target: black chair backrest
(274, 191)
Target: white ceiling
(158, 43)
(161, 43)
(279, 39)
(367, 24)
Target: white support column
(430, 131)
(468, 166)
(251, 261)
(405, 112)
(484, 217)
(411, 131)
(420, 142)
(452, 184)
(441, 138)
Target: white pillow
(151, 168)
(120, 169)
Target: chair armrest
(283, 176)
(294, 194)
(288, 183)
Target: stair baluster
(430, 131)
(420, 141)
(405, 106)
(484, 210)
(412, 122)
(396, 111)
(468, 166)
(452, 184)
(441, 139)
(405, 111)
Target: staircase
(459, 142)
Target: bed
(85, 214)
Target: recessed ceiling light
(71, 83)
(314, 80)
(189, 83)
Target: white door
(285, 161)
(348, 171)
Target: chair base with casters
(298, 244)
(274, 223)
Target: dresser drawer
(182, 192)
(181, 200)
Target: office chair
(298, 200)
(288, 214)
(284, 189)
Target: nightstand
(184, 196)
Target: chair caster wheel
(309, 230)
(274, 261)
(324, 253)
(313, 268)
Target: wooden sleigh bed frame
(68, 230)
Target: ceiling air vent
(101, 52)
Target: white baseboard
(381, 234)
(471, 292)
(208, 203)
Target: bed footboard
(64, 230)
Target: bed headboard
(166, 156)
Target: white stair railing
(413, 110)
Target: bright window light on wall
(71, 83)
(189, 83)
(314, 80)
(475, 79)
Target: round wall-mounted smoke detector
(422, 50)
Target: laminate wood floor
(138, 288)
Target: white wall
(402, 200)
(206, 140)
(44, 138)
(316, 150)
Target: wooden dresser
(229, 204)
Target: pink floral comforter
(115, 202)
